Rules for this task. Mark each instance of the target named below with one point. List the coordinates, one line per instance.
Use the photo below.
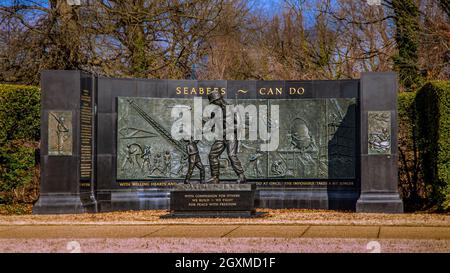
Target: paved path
(222, 231)
(190, 238)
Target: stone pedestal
(213, 200)
(67, 143)
(379, 155)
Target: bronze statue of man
(231, 145)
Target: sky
(275, 7)
(269, 7)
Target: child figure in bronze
(194, 161)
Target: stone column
(379, 154)
(67, 146)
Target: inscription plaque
(221, 200)
(86, 135)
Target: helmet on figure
(214, 96)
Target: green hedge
(433, 102)
(410, 178)
(19, 135)
(424, 146)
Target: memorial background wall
(130, 163)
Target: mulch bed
(22, 215)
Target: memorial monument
(108, 144)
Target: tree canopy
(225, 39)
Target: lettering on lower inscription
(212, 200)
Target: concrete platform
(342, 232)
(438, 233)
(194, 231)
(222, 231)
(268, 231)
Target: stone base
(304, 198)
(62, 203)
(214, 214)
(213, 200)
(136, 199)
(379, 203)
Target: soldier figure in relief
(61, 133)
